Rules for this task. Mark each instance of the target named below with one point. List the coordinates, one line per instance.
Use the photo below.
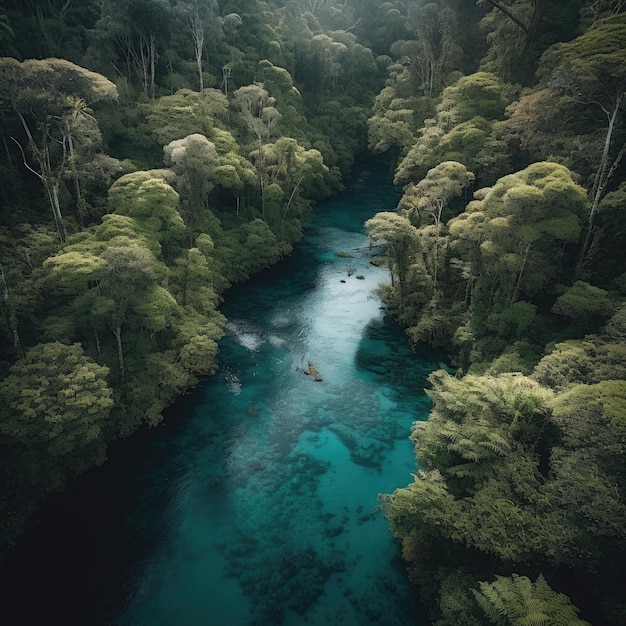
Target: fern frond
(490, 602)
(533, 619)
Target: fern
(516, 601)
(490, 602)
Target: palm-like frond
(516, 601)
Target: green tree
(517, 229)
(127, 283)
(590, 71)
(153, 204)
(186, 113)
(431, 197)
(58, 403)
(514, 26)
(194, 160)
(42, 94)
(205, 27)
(257, 109)
(434, 52)
(583, 303)
(400, 236)
(461, 131)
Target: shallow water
(256, 504)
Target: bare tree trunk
(153, 59)
(81, 205)
(518, 282)
(98, 347)
(197, 32)
(10, 316)
(117, 331)
(437, 216)
(52, 187)
(602, 177)
(46, 176)
(508, 13)
(293, 193)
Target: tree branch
(508, 13)
(26, 165)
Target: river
(255, 503)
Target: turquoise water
(273, 518)
(256, 502)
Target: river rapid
(255, 503)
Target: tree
(584, 302)
(59, 403)
(400, 236)
(595, 10)
(428, 199)
(397, 116)
(478, 422)
(194, 160)
(129, 278)
(135, 30)
(258, 112)
(434, 51)
(202, 17)
(153, 204)
(461, 131)
(42, 94)
(520, 30)
(296, 177)
(441, 186)
(591, 71)
(518, 228)
(257, 109)
(548, 127)
(186, 113)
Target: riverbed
(256, 502)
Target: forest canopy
(155, 152)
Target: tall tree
(591, 71)
(193, 159)
(58, 404)
(515, 26)
(42, 94)
(205, 26)
(434, 52)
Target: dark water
(256, 503)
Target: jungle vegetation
(506, 251)
(155, 152)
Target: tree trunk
(9, 315)
(98, 347)
(197, 32)
(437, 216)
(52, 187)
(602, 177)
(518, 282)
(49, 180)
(81, 205)
(153, 58)
(293, 193)
(510, 15)
(117, 331)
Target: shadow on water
(256, 501)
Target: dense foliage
(505, 250)
(156, 151)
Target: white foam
(243, 336)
